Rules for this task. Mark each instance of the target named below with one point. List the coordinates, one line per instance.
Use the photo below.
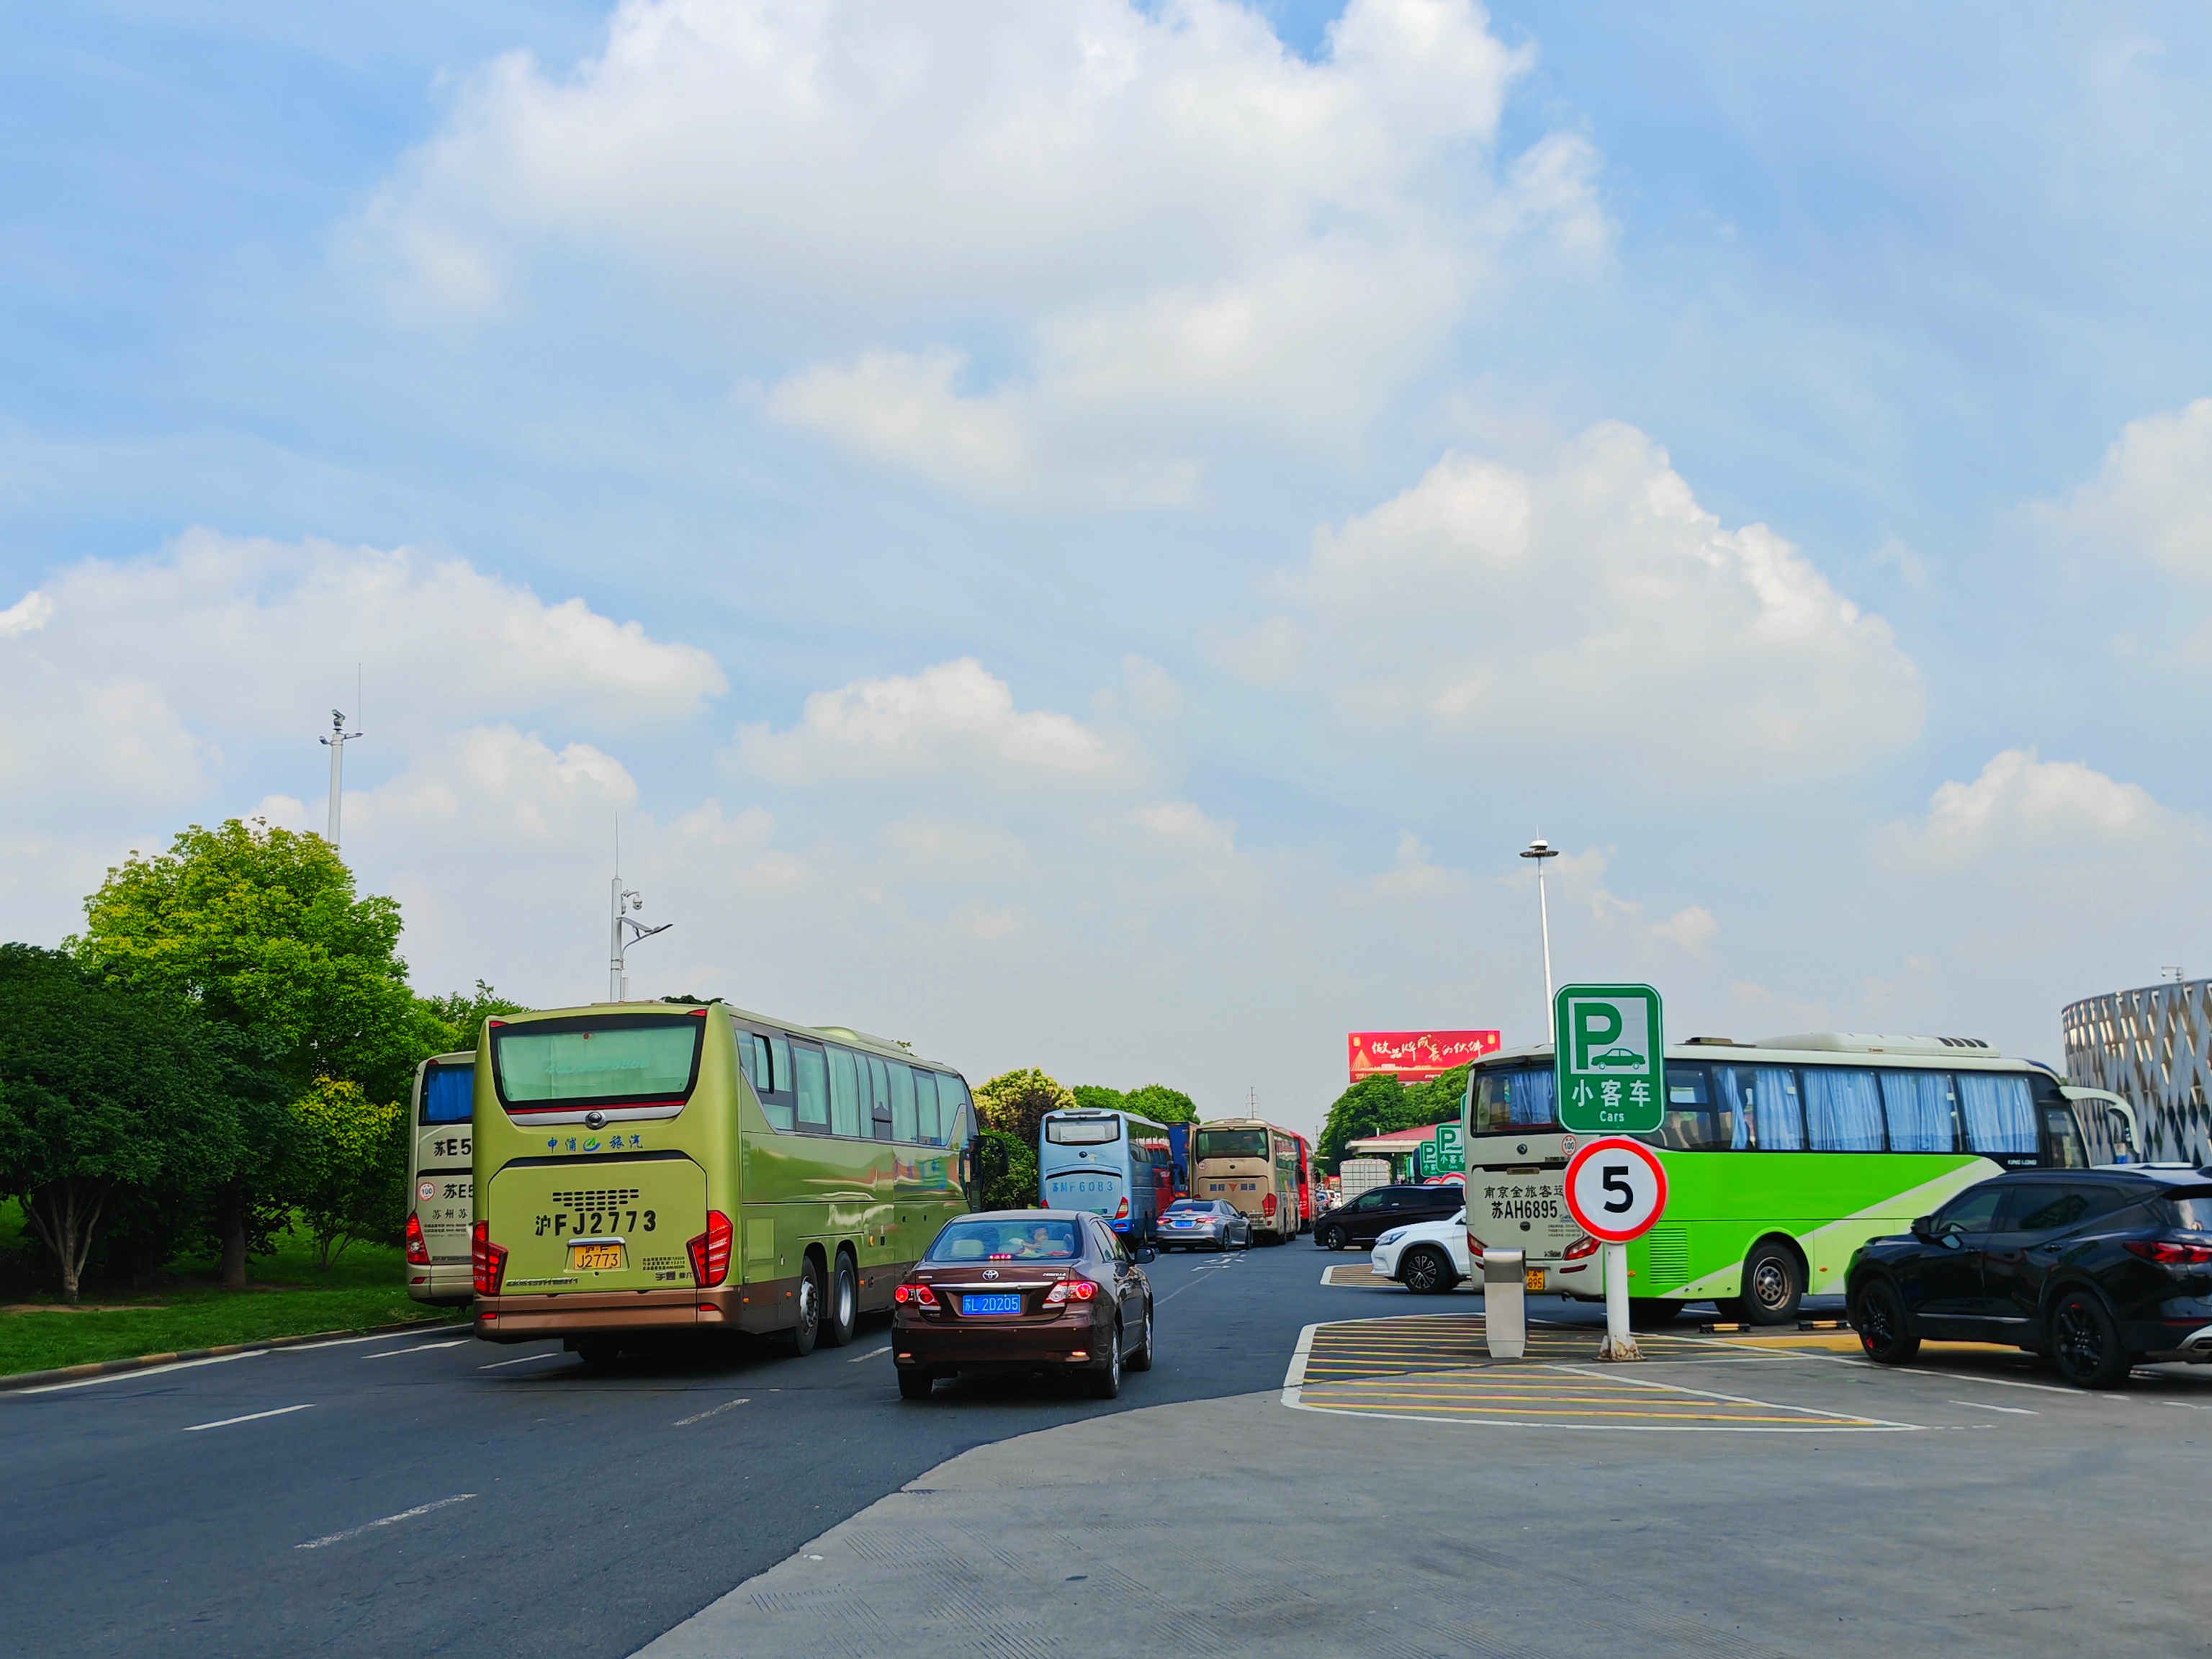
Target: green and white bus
(650, 1171)
(1782, 1155)
(441, 1180)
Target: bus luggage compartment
(584, 1237)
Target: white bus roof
(1972, 1052)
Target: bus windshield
(1006, 1241)
(1232, 1143)
(548, 1065)
(1082, 1131)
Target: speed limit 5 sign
(1616, 1188)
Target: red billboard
(1416, 1056)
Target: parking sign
(1610, 1063)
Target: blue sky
(1088, 536)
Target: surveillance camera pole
(338, 738)
(622, 900)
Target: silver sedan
(1189, 1223)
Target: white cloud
(955, 720)
(1592, 603)
(2153, 497)
(1414, 874)
(2023, 804)
(1146, 221)
(1153, 693)
(123, 668)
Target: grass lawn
(289, 1295)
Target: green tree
(350, 1170)
(1014, 1103)
(260, 931)
(1161, 1104)
(1097, 1098)
(1379, 1103)
(1015, 1187)
(102, 1093)
(455, 1021)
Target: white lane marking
(419, 1347)
(251, 1417)
(132, 1377)
(712, 1411)
(1732, 1399)
(501, 1365)
(870, 1354)
(371, 1525)
(2184, 1406)
(1983, 1406)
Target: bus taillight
(418, 1247)
(487, 1259)
(710, 1251)
(1122, 1210)
(1268, 1205)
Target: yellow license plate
(595, 1257)
(1532, 1278)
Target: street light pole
(1539, 849)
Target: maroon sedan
(1024, 1290)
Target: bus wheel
(1331, 1237)
(916, 1384)
(801, 1336)
(593, 1349)
(844, 1309)
(1651, 1313)
(1774, 1284)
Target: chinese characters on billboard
(1416, 1056)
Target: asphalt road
(430, 1493)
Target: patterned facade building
(2152, 1047)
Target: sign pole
(1620, 1343)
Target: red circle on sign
(1650, 1190)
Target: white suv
(1427, 1257)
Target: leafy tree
(350, 1170)
(1379, 1103)
(260, 931)
(1016, 1186)
(1097, 1098)
(1014, 1103)
(1161, 1104)
(102, 1093)
(459, 1019)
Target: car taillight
(1582, 1246)
(2168, 1253)
(1122, 1210)
(921, 1295)
(710, 1251)
(418, 1247)
(1077, 1290)
(487, 1261)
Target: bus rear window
(1082, 1131)
(449, 1093)
(554, 1065)
(1232, 1143)
(1507, 1101)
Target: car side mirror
(1923, 1229)
(1146, 1253)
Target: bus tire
(1773, 1283)
(1331, 1237)
(916, 1383)
(593, 1349)
(844, 1312)
(801, 1336)
(1427, 1271)
(1878, 1315)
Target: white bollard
(1618, 1343)
(1505, 1304)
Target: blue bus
(1108, 1163)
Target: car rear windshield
(1006, 1241)
(1082, 1131)
(1232, 1143)
(2192, 1209)
(1200, 1204)
(551, 1065)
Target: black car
(2101, 1269)
(1375, 1211)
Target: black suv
(2101, 1269)
(1378, 1209)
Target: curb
(147, 1361)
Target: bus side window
(844, 1093)
(745, 1062)
(924, 1107)
(779, 1072)
(901, 1102)
(1923, 1112)
(810, 1077)
(954, 1114)
(879, 1098)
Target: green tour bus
(1783, 1157)
(648, 1171)
(440, 1180)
